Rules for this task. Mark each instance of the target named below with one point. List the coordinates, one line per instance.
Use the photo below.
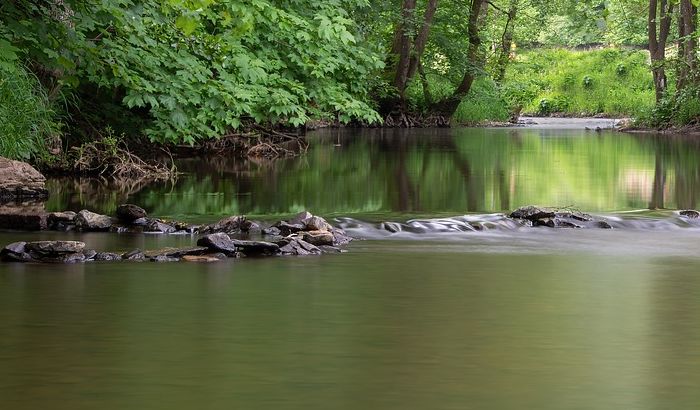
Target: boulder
(15, 252)
(55, 247)
(107, 256)
(532, 213)
(177, 252)
(19, 180)
(301, 218)
(690, 214)
(128, 213)
(231, 224)
(219, 242)
(61, 221)
(134, 255)
(297, 247)
(91, 222)
(156, 226)
(318, 237)
(201, 259)
(316, 223)
(256, 248)
(340, 238)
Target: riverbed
(425, 315)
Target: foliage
(582, 82)
(201, 68)
(27, 119)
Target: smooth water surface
(433, 316)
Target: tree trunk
(402, 47)
(448, 106)
(687, 44)
(506, 42)
(659, 28)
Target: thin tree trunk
(687, 44)
(506, 42)
(422, 38)
(402, 47)
(659, 28)
(427, 94)
(448, 106)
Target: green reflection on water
(424, 172)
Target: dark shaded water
(429, 318)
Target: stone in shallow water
(55, 247)
(129, 213)
(177, 252)
(318, 238)
(92, 222)
(232, 224)
(316, 223)
(61, 221)
(532, 213)
(297, 247)
(201, 259)
(690, 214)
(220, 242)
(107, 256)
(15, 252)
(256, 247)
(134, 255)
(156, 226)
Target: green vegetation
(28, 123)
(188, 71)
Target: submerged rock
(91, 222)
(129, 213)
(107, 256)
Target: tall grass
(582, 83)
(27, 120)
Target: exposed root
(258, 142)
(404, 120)
(110, 158)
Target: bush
(27, 120)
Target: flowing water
(445, 304)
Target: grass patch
(27, 120)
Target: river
(427, 315)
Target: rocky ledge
(20, 181)
(305, 234)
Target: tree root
(406, 120)
(113, 159)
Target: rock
(201, 259)
(89, 254)
(316, 223)
(107, 256)
(250, 227)
(219, 242)
(129, 213)
(19, 180)
(340, 238)
(55, 247)
(256, 247)
(66, 258)
(272, 231)
(298, 247)
(555, 223)
(23, 222)
(91, 222)
(156, 226)
(140, 222)
(61, 221)
(285, 228)
(603, 225)
(532, 213)
(231, 224)
(301, 218)
(318, 237)
(690, 214)
(331, 249)
(177, 252)
(15, 252)
(134, 255)
(164, 258)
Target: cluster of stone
(557, 218)
(304, 234)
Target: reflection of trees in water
(420, 171)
